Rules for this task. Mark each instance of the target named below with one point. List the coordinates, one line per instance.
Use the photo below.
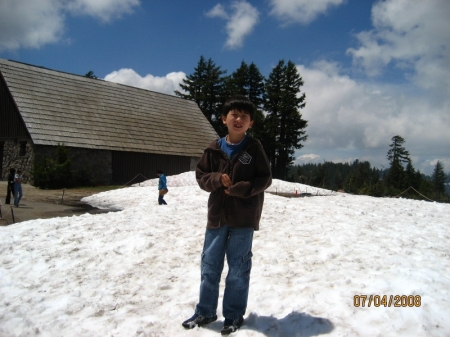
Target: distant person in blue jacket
(18, 187)
(162, 187)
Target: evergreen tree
(283, 125)
(360, 178)
(397, 151)
(90, 74)
(237, 82)
(410, 175)
(397, 155)
(256, 95)
(255, 86)
(206, 87)
(439, 179)
(248, 81)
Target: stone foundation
(12, 158)
(98, 163)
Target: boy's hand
(225, 180)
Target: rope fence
(299, 193)
(412, 188)
(137, 175)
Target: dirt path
(44, 204)
(67, 196)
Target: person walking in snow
(162, 187)
(236, 172)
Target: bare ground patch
(43, 204)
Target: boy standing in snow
(236, 171)
(162, 187)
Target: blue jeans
(236, 244)
(17, 193)
(161, 200)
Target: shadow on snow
(294, 324)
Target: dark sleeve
(207, 178)
(261, 181)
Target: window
(23, 148)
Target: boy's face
(237, 122)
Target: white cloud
(217, 11)
(412, 34)
(308, 158)
(351, 119)
(240, 22)
(167, 84)
(32, 24)
(103, 9)
(302, 11)
(429, 165)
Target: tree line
(401, 178)
(278, 123)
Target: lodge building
(112, 131)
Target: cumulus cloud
(167, 84)
(103, 9)
(32, 24)
(240, 22)
(301, 11)
(412, 35)
(345, 116)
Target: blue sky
(372, 69)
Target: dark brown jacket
(249, 171)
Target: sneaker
(231, 325)
(198, 320)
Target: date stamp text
(387, 300)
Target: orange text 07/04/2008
(387, 301)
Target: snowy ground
(136, 272)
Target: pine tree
(256, 95)
(439, 179)
(397, 151)
(360, 178)
(248, 81)
(412, 179)
(397, 155)
(206, 87)
(237, 82)
(283, 125)
(90, 74)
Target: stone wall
(98, 163)
(12, 159)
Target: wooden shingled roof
(77, 111)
